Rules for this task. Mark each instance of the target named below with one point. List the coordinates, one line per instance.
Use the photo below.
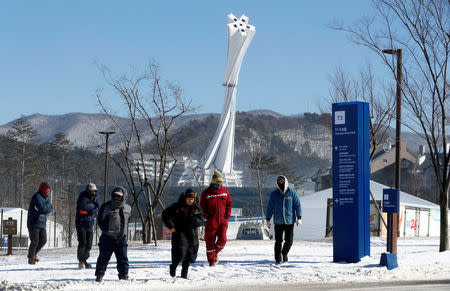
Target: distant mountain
(82, 129)
(302, 140)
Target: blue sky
(49, 51)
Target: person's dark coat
(40, 206)
(87, 208)
(113, 216)
(185, 219)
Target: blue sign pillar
(351, 182)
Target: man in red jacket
(216, 205)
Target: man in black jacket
(183, 218)
(87, 208)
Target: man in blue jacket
(87, 208)
(40, 206)
(285, 207)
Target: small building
(55, 237)
(418, 217)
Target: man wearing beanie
(183, 218)
(40, 206)
(87, 208)
(285, 207)
(216, 205)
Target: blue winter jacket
(40, 206)
(285, 207)
(87, 208)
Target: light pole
(105, 190)
(393, 217)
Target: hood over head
(121, 191)
(286, 184)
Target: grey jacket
(113, 216)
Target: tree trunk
(261, 205)
(443, 246)
(146, 231)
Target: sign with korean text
(390, 200)
(351, 172)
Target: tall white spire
(220, 152)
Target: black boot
(285, 258)
(184, 270)
(123, 277)
(172, 270)
(99, 278)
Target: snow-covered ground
(241, 263)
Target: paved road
(436, 285)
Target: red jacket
(216, 204)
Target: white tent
(418, 217)
(20, 215)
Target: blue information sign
(351, 174)
(390, 200)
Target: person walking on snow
(113, 221)
(183, 218)
(216, 204)
(286, 209)
(40, 207)
(87, 208)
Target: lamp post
(107, 133)
(393, 217)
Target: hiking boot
(285, 259)
(81, 265)
(36, 259)
(123, 277)
(99, 278)
(87, 265)
(212, 264)
(31, 261)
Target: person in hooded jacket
(183, 218)
(87, 208)
(216, 204)
(40, 207)
(284, 205)
(113, 221)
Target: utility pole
(395, 230)
(107, 134)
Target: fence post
(20, 234)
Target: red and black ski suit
(216, 206)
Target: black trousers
(38, 238)
(288, 230)
(108, 246)
(85, 235)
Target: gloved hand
(299, 221)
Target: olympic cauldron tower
(220, 152)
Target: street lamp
(107, 133)
(393, 217)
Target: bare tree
(262, 166)
(421, 30)
(345, 89)
(23, 136)
(153, 114)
